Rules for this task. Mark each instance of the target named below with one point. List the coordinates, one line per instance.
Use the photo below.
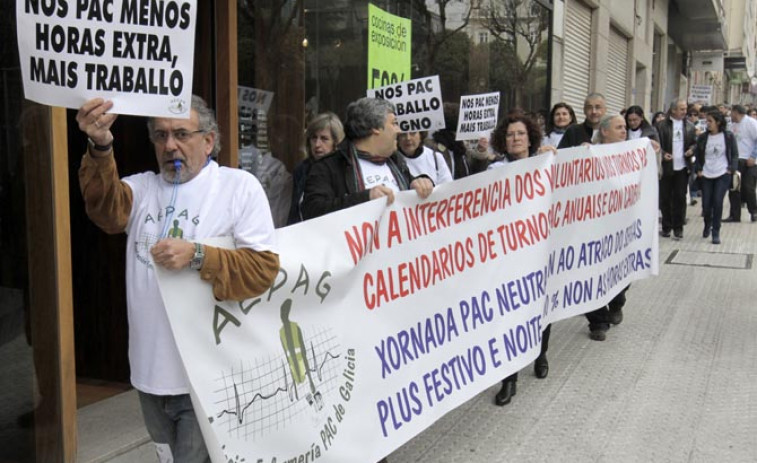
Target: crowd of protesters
(705, 151)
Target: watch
(198, 258)
(101, 148)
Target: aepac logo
(178, 106)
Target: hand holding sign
(381, 191)
(423, 186)
(95, 121)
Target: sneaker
(598, 335)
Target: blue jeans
(713, 193)
(171, 421)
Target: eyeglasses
(181, 136)
(515, 134)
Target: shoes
(693, 202)
(754, 217)
(678, 234)
(615, 317)
(505, 395)
(541, 367)
(715, 237)
(706, 231)
(731, 219)
(665, 233)
(598, 335)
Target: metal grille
(577, 54)
(711, 259)
(617, 72)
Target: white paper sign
(383, 319)
(138, 54)
(478, 116)
(700, 93)
(418, 103)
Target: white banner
(383, 319)
(478, 116)
(138, 54)
(418, 103)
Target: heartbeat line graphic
(289, 387)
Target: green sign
(388, 48)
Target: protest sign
(137, 54)
(386, 318)
(389, 45)
(418, 103)
(253, 99)
(478, 116)
(700, 93)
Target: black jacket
(575, 135)
(665, 131)
(452, 150)
(731, 151)
(331, 184)
(299, 176)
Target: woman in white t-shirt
(717, 157)
(422, 160)
(560, 118)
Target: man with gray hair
(578, 134)
(745, 130)
(365, 165)
(677, 141)
(166, 216)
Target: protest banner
(478, 116)
(389, 47)
(382, 319)
(418, 103)
(138, 54)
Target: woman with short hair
(322, 136)
(518, 137)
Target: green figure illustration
(296, 353)
(176, 232)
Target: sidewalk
(676, 381)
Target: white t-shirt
(679, 162)
(377, 174)
(219, 201)
(715, 160)
(553, 139)
(429, 163)
(497, 164)
(634, 134)
(746, 136)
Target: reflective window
(20, 124)
(312, 56)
